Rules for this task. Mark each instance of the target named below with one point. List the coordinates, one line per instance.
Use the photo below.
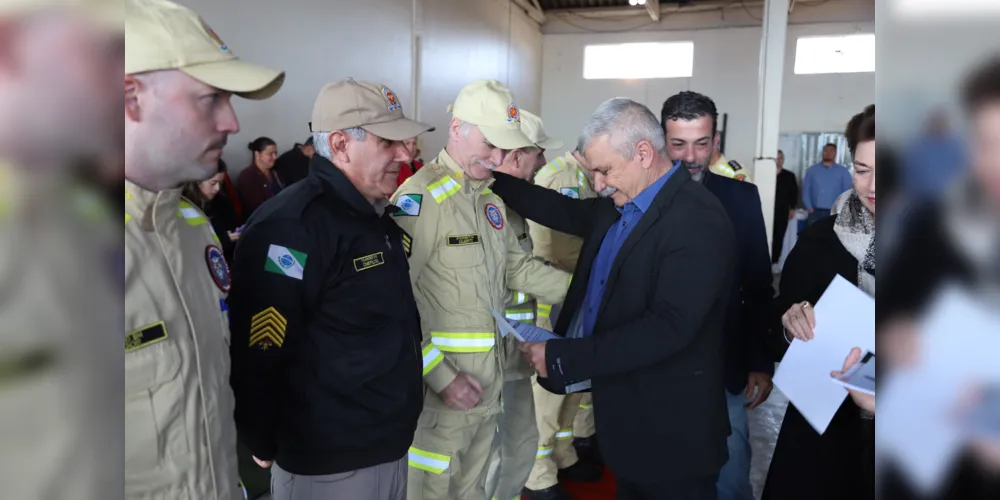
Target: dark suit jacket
(750, 298)
(655, 355)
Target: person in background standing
(934, 159)
(293, 165)
(406, 170)
(207, 195)
(259, 182)
(823, 183)
(786, 198)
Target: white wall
(319, 41)
(726, 65)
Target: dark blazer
(750, 298)
(839, 463)
(655, 356)
(254, 188)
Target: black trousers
(698, 489)
(778, 241)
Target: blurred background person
(935, 159)
(953, 240)
(259, 182)
(840, 463)
(406, 170)
(208, 196)
(786, 198)
(823, 183)
(293, 165)
(61, 260)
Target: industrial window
(638, 60)
(835, 54)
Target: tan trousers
(554, 415)
(450, 456)
(583, 424)
(518, 439)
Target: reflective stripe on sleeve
(544, 310)
(581, 179)
(543, 452)
(191, 215)
(442, 189)
(564, 434)
(463, 342)
(432, 358)
(585, 406)
(520, 298)
(434, 463)
(521, 313)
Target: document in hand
(532, 333)
(861, 377)
(845, 318)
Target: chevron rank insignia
(267, 329)
(407, 243)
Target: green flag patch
(410, 204)
(285, 261)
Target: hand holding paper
(522, 331)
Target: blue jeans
(734, 478)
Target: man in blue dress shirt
(824, 182)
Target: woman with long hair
(259, 182)
(839, 463)
(208, 196)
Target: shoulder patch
(409, 204)
(145, 336)
(285, 261)
(407, 243)
(735, 164)
(443, 188)
(571, 192)
(218, 267)
(494, 216)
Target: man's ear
(645, 152)
(338, 145)
(132, 88)
(715, 141)
(454, 128)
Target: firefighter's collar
(151, 209)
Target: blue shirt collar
(645, 199)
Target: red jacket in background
(406, 171)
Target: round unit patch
(218, 267)
(494, 216)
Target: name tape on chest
(463, 240)
(368, 261)
(145, 336)
(494, 216)
(267, 329)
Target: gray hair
(626, 123)
(321, 140)
(465, 128)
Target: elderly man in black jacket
(645, 314)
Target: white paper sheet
(861, 377)
(539, 334)
(845, 318)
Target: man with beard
(689, 122)
(60, 268)
(180, 439)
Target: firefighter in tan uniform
(720, 165)
(518, 432)
(180, 439)
(60, 264)
(554, 413)
(464, 256)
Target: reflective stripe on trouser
(450, 456)
(583, 424)
(554, 413)
(518, 439)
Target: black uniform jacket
(327, 369)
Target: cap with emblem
(374, 107)
(532, 127)
(490, 105)
(162, 35)
(107, 12)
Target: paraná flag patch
(285, 261)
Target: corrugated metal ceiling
(585, 4)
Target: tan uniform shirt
(520, 306)
(60, 416)
(729, 168)
(464, 256)
(565, 175)
(180, 438)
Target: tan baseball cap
(371, 106)
(490, 105)
(161, 35)
(108, 12)
(531, 125)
